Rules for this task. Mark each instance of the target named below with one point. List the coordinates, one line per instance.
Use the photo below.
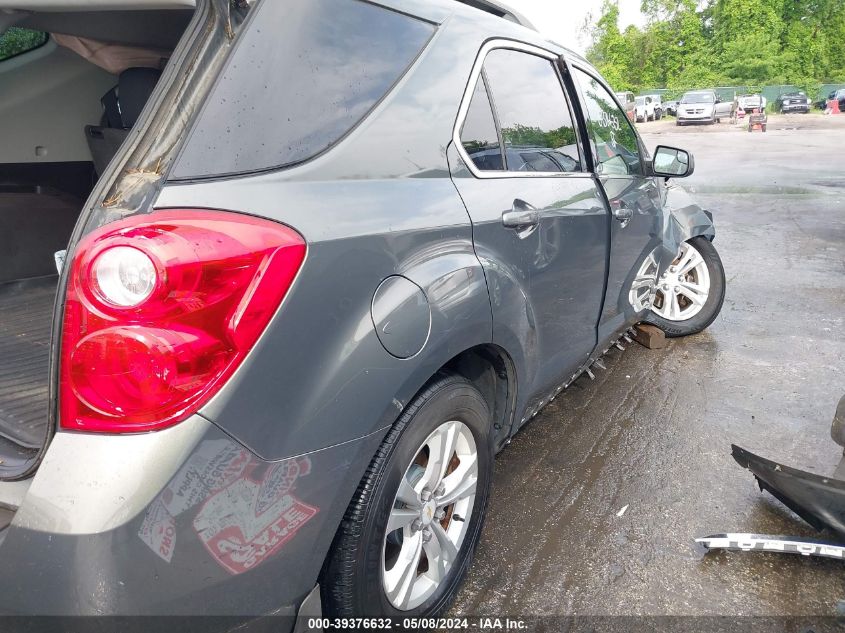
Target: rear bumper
(795, 108)
(183, 523)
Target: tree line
(705, 43)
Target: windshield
(700, 97)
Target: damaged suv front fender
(684, 218)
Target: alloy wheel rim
(642, 289)
(429, 520)
(683, 290)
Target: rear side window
(533, 113)
(304, 74)
(16, 41)
(478, 135)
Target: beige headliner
(113, 58)
(94, 5)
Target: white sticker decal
(158, 530)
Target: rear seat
(122, 105)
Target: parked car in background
(671, 107)
(836, 95)
(303, 305)
(700, 106)
(839, 95)
(749, 103)
(628, 104)
(645, 109)
(657, 100)
(794, 102)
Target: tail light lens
(162, 308)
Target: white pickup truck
(749, 103)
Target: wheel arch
(491, 370)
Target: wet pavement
(652, 434)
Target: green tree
(611, 51)
(703, 43)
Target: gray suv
(318, 261)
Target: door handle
(521, 216)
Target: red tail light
(162, 308)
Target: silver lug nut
(425, 495)
(416, 526)
(426, 536)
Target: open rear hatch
(89, 135)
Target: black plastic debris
(820, 501)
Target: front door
(636, 230)
(539, 221)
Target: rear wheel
(409, 534)
(689, 295)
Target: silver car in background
(702, 106)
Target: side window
(536, 123)
(613, 138)
(478, 134)
(16, 41)
(293, 89)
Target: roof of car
(498, 8)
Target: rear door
(634, 199)
(539, 221)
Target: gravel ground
(652, 434)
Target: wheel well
(492, 372)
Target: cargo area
(74, 83)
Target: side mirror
(718, 99)
(672, 162)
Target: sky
(561, 20)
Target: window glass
(304, 74)
(478, 134)
(533, 113)
(16, 41)
(613, 138)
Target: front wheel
(409, 534)
(689, 295)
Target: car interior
(67, 106)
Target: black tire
(712, 306)
(352, 576)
